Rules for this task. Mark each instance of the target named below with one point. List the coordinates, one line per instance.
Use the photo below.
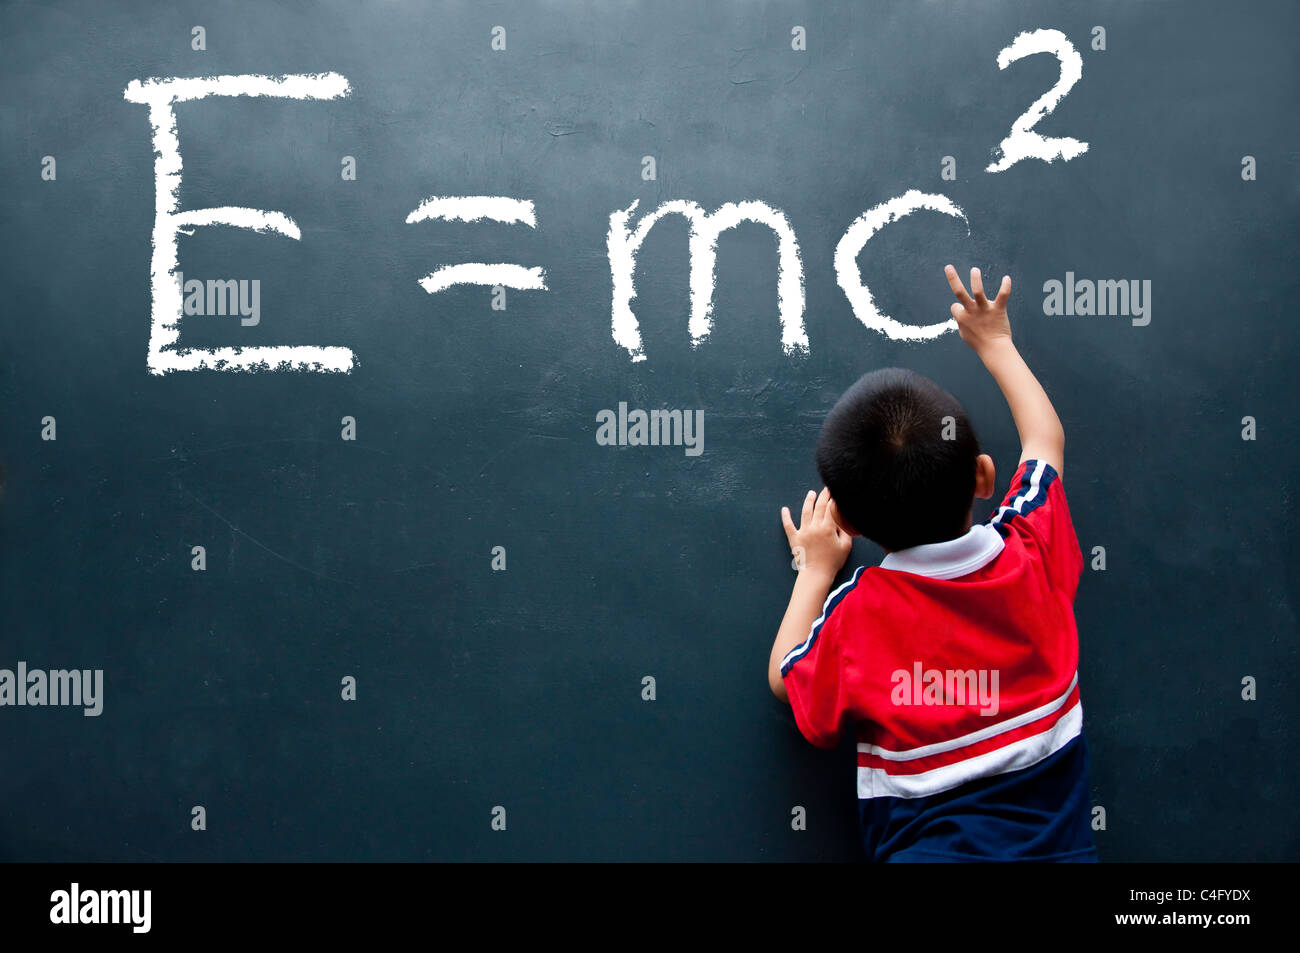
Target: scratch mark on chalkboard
(731, 66)
(255, 541)
(241, 445)
(416, 566)
(514, 445)
(142, 851)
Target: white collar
(951, 558)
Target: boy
(955, 659)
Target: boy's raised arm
(984, 325)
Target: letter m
(624, 241)
(1116, 296)
(117, 901)
(961, 685)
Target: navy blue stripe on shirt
(1026, 502)
(834, 599)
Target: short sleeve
(813, 673)
(1036, 510)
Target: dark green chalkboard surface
(429, 598)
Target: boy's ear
(840, 521)
(985, 476)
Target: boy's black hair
(883, 456)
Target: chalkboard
(417, 593)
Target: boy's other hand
(980, 322)
(819, 546)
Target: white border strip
(911, 754)
(876, 782)
(821, 618)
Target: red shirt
(953, 661)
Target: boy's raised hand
(818, 545)
(980, 321)
(984, 326)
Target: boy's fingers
(1004, 292)
(788, 524)
(806, 517)
(957, 310)
(819, 511)
(977, 287)
(957, 287)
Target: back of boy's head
(900, 473)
